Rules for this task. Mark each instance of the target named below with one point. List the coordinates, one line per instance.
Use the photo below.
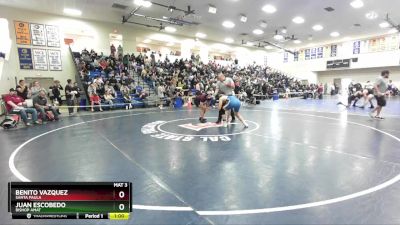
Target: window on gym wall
(5, 41)
(116, 39)
(82, 38)
(5, 44)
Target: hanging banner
(333, 50)
(22, 33)
(301, 55)
(393, 43)
(25, 58)
(53, 36)
(356, 47)
(285, 57)
(54, 60)
(313, 53)
(364, 47)
(307, 54)
(382, 44)
(320, 52)
(38, 34)
(372, 47)
(40, 59)
(326, 51)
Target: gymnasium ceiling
(342, 19)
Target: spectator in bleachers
(95, 101)
(161, 96)
(143, 95)
(92, 89)
(393, 90)
(17, 105)
(113, 50)
(108, 87)
(109, 98)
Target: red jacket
(13, 98)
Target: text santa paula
(37, 194)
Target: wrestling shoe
(371, 114)
(202, 120)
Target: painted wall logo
(176, 130)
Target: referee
(225, 86)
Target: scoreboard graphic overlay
(70, 200)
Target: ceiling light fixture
(269, 8)
(371, 15)
(228, 24)
(201, 35)
(393, 31)
(147, 41)
(72, 12)
(143, 3)
(263, 24)
(229, 40)
(258, 32)
(250, 43)
(298, 20)
(297, 42)
(278, 37)
(357, 4)
(346, 39)
(317, 27)
(335, 34)
(212, 9)
(384, 25)
(170, 29)
(243, 18)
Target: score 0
(121, 191)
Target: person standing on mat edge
(69, 95)
(380, 88)
(232, 104)
(225, 86)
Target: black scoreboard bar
(70, 200)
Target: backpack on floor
(10, 121)
(50, 116)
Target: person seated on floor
(45, 110)
(17, 105)
(95, 100)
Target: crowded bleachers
(131, 81)
(178, 79)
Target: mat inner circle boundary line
(376, 188)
